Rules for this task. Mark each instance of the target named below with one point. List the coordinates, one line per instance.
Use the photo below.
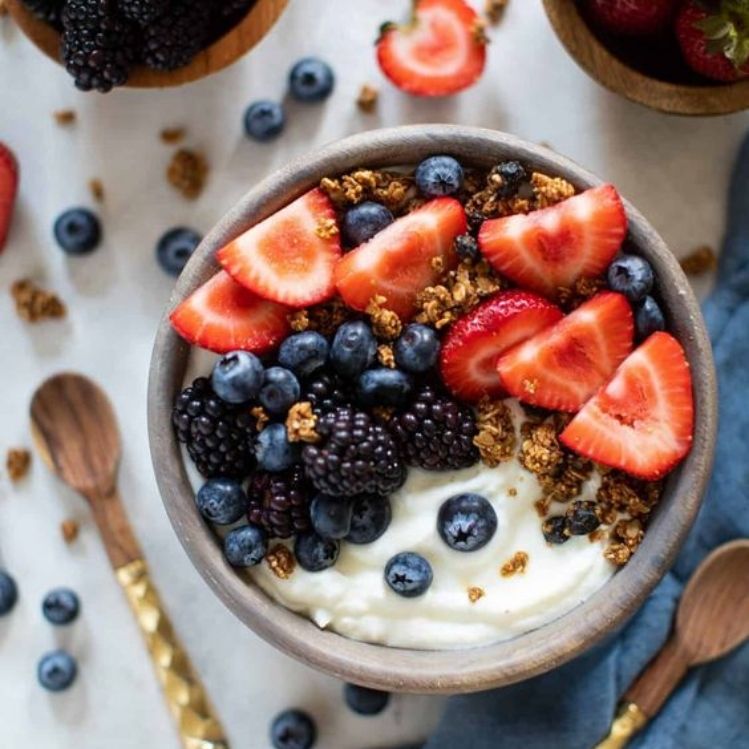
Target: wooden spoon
(712, 619)
(75, 431)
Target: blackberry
(219, 436)
(326, 392)
(279, 502)
(46, 10)
(143, 12)
(436, 432)
(512, 174)
(466, 247)
(356, 455)
(582, 518)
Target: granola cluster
(324, 318)
(326, 228)
(549, 191)
(389, 188)
(261, 417)
(386, 324)
(187, 172)
(281, 561)
(494, 10)
(300, 423)
(34, 303)
(475, 593)
(385, 355)
(582, 290)
(69, 529)
(515, 565)
(17, 463)
(496, 438)
(367, 99)
(699, 261)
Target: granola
(300, 423)
(96, 188)
(475, 593)
(187, 173)
(496, 438)
(64, 117)
(367, 99)
(549, 191)
(389, 188)
(69, 529)
(172, 135)
(517, 564)
(385, 355)
(385, 323)
(326, 228)
(281, 561)
(260, 416)
(17, 463)
(699, 261)
(35, 304)
(324, 318)
(494, 10)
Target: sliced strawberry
(439, 52)
(290, 256)
(562, 366)
(223, 316)
(468, 361)
(551, 248)
(403, 258)
(8, 190)
(642, 421)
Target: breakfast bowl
(421, 668)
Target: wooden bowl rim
(611, 72)
(400, 669)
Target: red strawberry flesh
(8, 190)
(632, 17)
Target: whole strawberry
(632, 17)
(714, 39)
(8, 189)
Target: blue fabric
(572, 707)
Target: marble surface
(674, 169)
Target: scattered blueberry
(273, 451)
(315, 553)
(61, 606)
(8, 593)
(280, 390)
(417, 348)
(384, 387)
(582, 518)
(237, 377)
(365, 701)
(467, 247)
(363, 221)
(648, 318)
(408, 574)
(555, 529)
(371, 515)
(222, 501)
(354, 349)
(57, 670)
(311, 80)
(512, 174)
(466, 522)
(77, 231)
(632, 276)
(245, 546)
(439, 175)
(304, 353)
(175, 248)
(331, 516)
(264, 120)
(293, 729)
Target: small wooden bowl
(223, 52)
(398, 669)
(610, 71)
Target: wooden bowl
(223, 52)
(689, 98)
(399, 669)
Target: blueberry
(315, 553)
(61, 606)
(331, 516)
(245, 546)
(175, 248)
(383, 387)
(466, 522)
(365, 701)
(648, 318)
(582, 518)
(467, 247)
(439, 175)
(57, 670)
(8, 593)
(511, 174)
(408, 574)
(293, 729)
(354, 349)
(78, 231)
(555, 529)
(632, 276)
(417, 348)
(371, 515)
(264, 120)
(363, 221)
(222, 501)
(237, 377)
(311, 80)
(280, 391)
(304, 353)
(274, 452)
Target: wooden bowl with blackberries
(687, 57)
(104, 44)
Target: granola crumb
(299, 320)
(260, 416)
(597, 535)
(515, 565)
(187, 173)
(173, 135)
(17, 463)
(64, 117)
(438, 264)
(324, 318)
(542, 507)
(475, 593)
(512, 492)
(385, 323)
(496, 438)
(479, 32)
(494, 10)
(540, 452)
(549, 191)
(618, 554)
(367, 99)
(326, 228)
(96, 188)
(623, 494)
(582, 290)
(281, 561)
(389, 188)
(69, 529)
(300, 423)
(34, 303)
(701, 260)
(385, 355)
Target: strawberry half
(564, 365)
(223, 316)
(468, 360)
(439, 52)
(8, 190)
(642, 421)
(551, 248)
(290, 256)
(399, 261)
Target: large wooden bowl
(610, 71)
(223, 52)
(399, 669)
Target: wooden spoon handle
(114, 527)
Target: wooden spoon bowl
(223, 52)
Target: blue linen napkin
(572, 707)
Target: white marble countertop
(673, 169)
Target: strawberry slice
(562, 366)
(8, 190)
(399, 261)
(551, 248)
(642, 421)
(438, 53)
(470, 350)
(290, 256)
(223, 316)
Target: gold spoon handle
(629, 720)
(198, 726)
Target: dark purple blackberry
(512, 174)
(174, 38)
(219, 436)
(436, 432)
(582, 518)
(326, 391)
(46, 10)
(279, 502)
(355, 456)
(143, 12)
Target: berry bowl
(394, 631)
